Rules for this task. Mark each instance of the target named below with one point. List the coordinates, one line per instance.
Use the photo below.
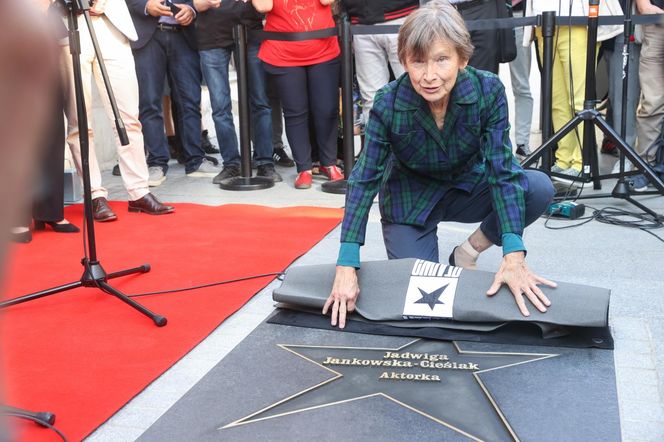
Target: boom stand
(93, 275)
(589, 116)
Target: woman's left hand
(521, 281)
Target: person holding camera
(166, 44)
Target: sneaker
(206, 144)
(281, 158)
(522, 151)
(205, 169)
(572, 173)
(156, 176)
(267, 171)
(332, 173)
(639, 183)
(609, 147)
(628, 166)
(227, 172)
(303, 180)
(212, 159)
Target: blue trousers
(214, 65)
(309, 92)
(408, 241)
(168, 52)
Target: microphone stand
(94, 274)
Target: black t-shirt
(368, 12)
(214, 27)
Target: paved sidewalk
(629, 261)
(626, 260)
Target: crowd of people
(153, 48)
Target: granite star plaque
(292, 384)
(435, 379)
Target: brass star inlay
(433, 378)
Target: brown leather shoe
(150, 205)
(101, 211)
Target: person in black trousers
(48, 201)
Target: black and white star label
(431, 291)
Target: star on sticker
(433, 378)
(431, 298)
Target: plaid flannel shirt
(413, 163)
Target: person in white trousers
(113, 28)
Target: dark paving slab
(486, 391)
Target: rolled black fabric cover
(430, 294)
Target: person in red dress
(306, 74)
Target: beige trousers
(119, 63)
(650, 113)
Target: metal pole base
(338, 187)
(247, 183)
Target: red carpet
(82, 354)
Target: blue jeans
(214, 64)
(168, 52)
(407, 241)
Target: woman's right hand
(345, 291)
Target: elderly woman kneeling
(437, 149)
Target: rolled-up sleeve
(506, 179)
(365, 179)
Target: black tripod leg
(589, 152)
(631, 154)
(159, 320)
(140, 269)
(644, 208)
(41, 294)
(551, 141)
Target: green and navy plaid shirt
(413, 164)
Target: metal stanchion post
(548, 31)
(245, 181)
(346, 107)
(589, 148)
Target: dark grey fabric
(448, 324)
(514, 333)
(384, 284)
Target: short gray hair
(436, 21)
